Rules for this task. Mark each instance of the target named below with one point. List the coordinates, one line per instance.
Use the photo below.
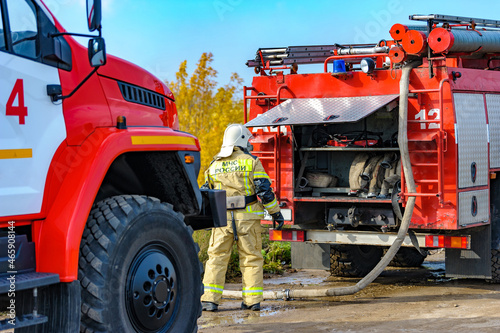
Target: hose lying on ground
(405, 223)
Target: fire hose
(405, 222)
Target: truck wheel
(407, 257)
(495, 267)
(353, 260)
(138, 268)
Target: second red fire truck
(406, 125)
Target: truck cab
(98, 191)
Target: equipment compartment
(324, 154)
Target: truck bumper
(424, 240)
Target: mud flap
(310, 256)
(473, 263)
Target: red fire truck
(336, 143)
(98, 191)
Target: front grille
(142, 96)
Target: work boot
(255, 307)
(209, 306)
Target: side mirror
(97, 52)
(94, 14)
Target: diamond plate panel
(465, 207)
(309, 111)
(493, 107)
(472, 139)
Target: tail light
(448, 242)
(287, 235)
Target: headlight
(367, 65)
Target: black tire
(495, 267)
(353, 260)
(407, 257)
(139, 268)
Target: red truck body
(451, 134)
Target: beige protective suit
(236, 175)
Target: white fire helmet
(234, 135)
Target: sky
(159, 34)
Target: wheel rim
(152, 289)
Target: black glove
(277, 217)
(205, 186)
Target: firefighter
(243, 177)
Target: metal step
(423, 137)
(27, 280)
(421, 151)
(25, 254)
(425, 164)
(426, 181)
(22, 321)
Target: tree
(205, 110)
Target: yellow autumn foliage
(203, 108)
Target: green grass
(276, 255)
(202, 237)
